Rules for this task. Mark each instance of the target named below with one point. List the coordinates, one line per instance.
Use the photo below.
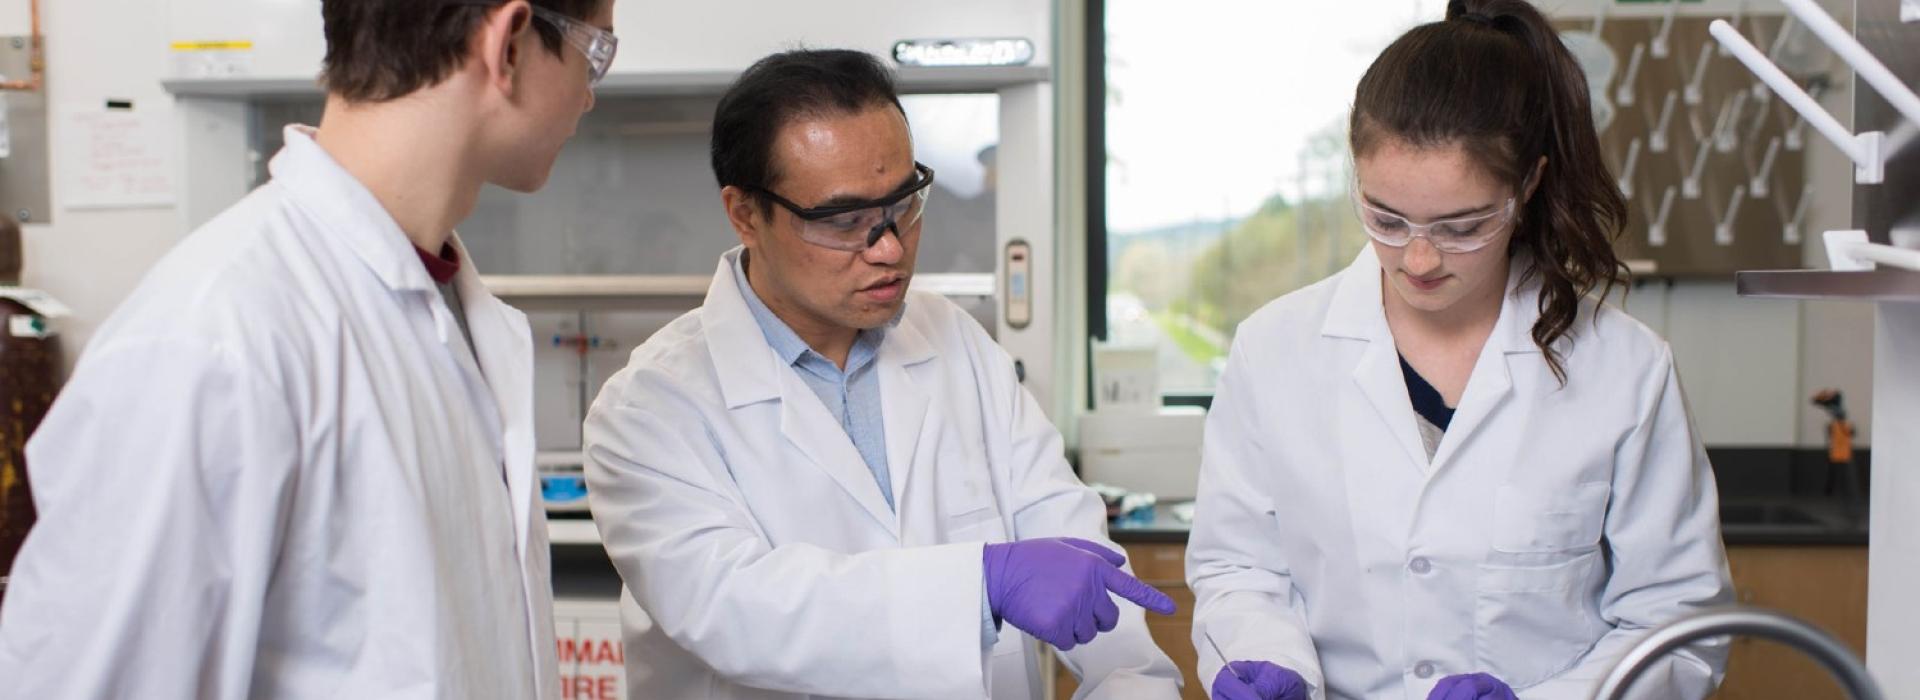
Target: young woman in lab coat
(1450, 471)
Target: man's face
(553, 92)
(825, 161)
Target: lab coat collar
(906, 382)
(1357, 313)
(751, 371)
(347, 210)
(731, 331)
(503, 346)
(905, 345)
(730, 327)
(788, 344)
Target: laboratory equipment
(1723, 231)
(1632, 161)
(1155, 452)
(1883, 214)
(1766, 624)
(1842, 472)
(563, 481)
(1703, 132)
(1762, 182)
(1863, 149)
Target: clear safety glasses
(1463, 235)
(598, 44)
(856, 227)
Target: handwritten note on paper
(116, 158)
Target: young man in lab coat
(821, 483)
(298, 460)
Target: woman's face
(1430, 184)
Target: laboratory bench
(1824, 583)
(1777, 521)
(1804, 556)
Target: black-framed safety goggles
(857, 226)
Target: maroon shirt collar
(441, 267)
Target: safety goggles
(598, 44)
(1463, 235)
(857, 226)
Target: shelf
(667, 292)
(572, 532)
(1868, 285)
(956, 284)
(599, 292)
(680, 84)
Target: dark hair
(781, 88)
(379, 50)
(1495, 79)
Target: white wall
(96, 49)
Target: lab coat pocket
(967, 505)
(971, 517)
(1535, 520)
(965, 493)
(1533, 622)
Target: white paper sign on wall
(114, 158)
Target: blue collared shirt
(851, 395)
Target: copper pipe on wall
(38, 60)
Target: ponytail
(1495, 79)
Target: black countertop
(1798, 521)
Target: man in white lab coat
(298, 460)
(823, 484)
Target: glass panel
(633, 192)
(957, 136)
(1227, 164)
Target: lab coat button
(1420, 566)
(1423, 670)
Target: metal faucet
(1736, 620)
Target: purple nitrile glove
(1258, 680)
(1476, 686)
(1056, 589)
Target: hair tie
(1475, 18)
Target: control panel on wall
(1019, 284)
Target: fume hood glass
(633, 192)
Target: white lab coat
(1552, 528)
(760, 558)
(278, 473)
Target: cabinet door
(1826, 586)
